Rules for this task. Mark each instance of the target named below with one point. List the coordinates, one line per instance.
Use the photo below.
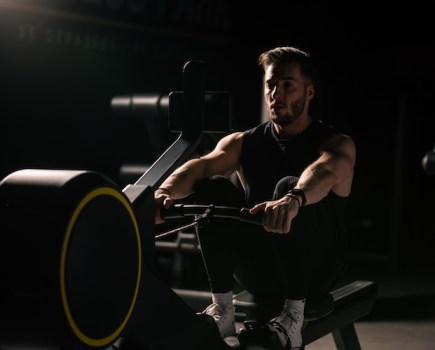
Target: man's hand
(278, 214)
(161, 199)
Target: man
(298, 172)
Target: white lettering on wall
(59, 36)
(211, 13)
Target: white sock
(222, 299)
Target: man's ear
(311, 91)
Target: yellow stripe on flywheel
(102, 191)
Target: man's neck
(293, 129)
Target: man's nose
(275, 91)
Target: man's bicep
(339, 153)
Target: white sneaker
(225, 320)
(288, 327)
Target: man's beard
(297, 108)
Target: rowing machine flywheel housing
(67, 239)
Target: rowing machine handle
(182, 210)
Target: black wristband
(299, 192)
(295, 198)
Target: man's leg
(309, 261)
(311, 256)
(231, 248)
(217, 237)
(218, 247)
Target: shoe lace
(287, 322)
(214, 310)
(221, 316)
(294, 315)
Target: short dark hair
(286, 54)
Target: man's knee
(284, 185)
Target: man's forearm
(316, 181)
(181, 182)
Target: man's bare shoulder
(234, 137)
(338, 141)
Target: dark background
(61, 62)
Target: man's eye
(270, 87)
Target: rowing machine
(77, 259)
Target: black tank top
(265, 159)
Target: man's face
(286, 93)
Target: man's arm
(223, 160)
(333, 170)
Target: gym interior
(92, 106)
